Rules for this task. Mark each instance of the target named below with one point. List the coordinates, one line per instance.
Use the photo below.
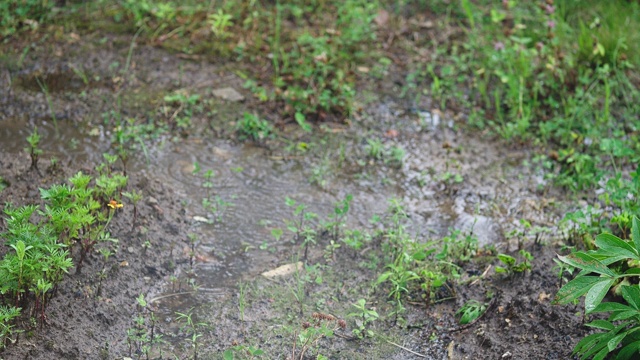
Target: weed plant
(144, 335)
(558, 74)
(40, 240)
(34, 151)
(613, 265)
(192, 329)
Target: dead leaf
(283, 270)
(391, 134)
(543, 296)
(363, 69)
(426, 25)
(382, 18)
(322, 57)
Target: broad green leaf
(507, 259)
(613, 343)
(625, 315)
(575, 288)
(635, 232)
(611, 306)
(382, 278)
(615, 245)
(602, 354)
(598, 344)
(228, 355)
(601, 324)
(632, 295)
(630, 351)
(597, 293)
(633, 271)
(588, 342)
(587, 262)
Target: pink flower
(551, 24)
(498, 46)
(550, 9)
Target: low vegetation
(558, 76)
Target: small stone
(201, 219)
(284, 270)
(152, 201)
(130, 249)
(229, 94)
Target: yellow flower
(114, 204)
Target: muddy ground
(520, 323)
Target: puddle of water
(257, 188)
(68, 143)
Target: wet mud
(87, 79)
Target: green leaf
(632, 295)
(633, 271)
(382, 278)
(629, 351)
(500, 270)
(615, 245)
(587, 262)
(300, 119)
(597, 293)
(575, 288)
(228, 355)
(601, 324)
(635, 232)
(507, 259)
(613, 343)
(611, 306)
(625, 315)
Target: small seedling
(32, 149)
(364, 317)
(219, 22)
(135, 196)
(192, 329)
(470, 311)
(512, 266)
(321, 326)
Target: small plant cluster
(376, 150)
(182, 107)
(144, 334)
(554, 73)
(41, 239)
(321, 326)
(417, 268)
(15, 15)
(192, 329)
(611, 266)
(253, 128)
(617, 206)
(364, 317)
(312, 72)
